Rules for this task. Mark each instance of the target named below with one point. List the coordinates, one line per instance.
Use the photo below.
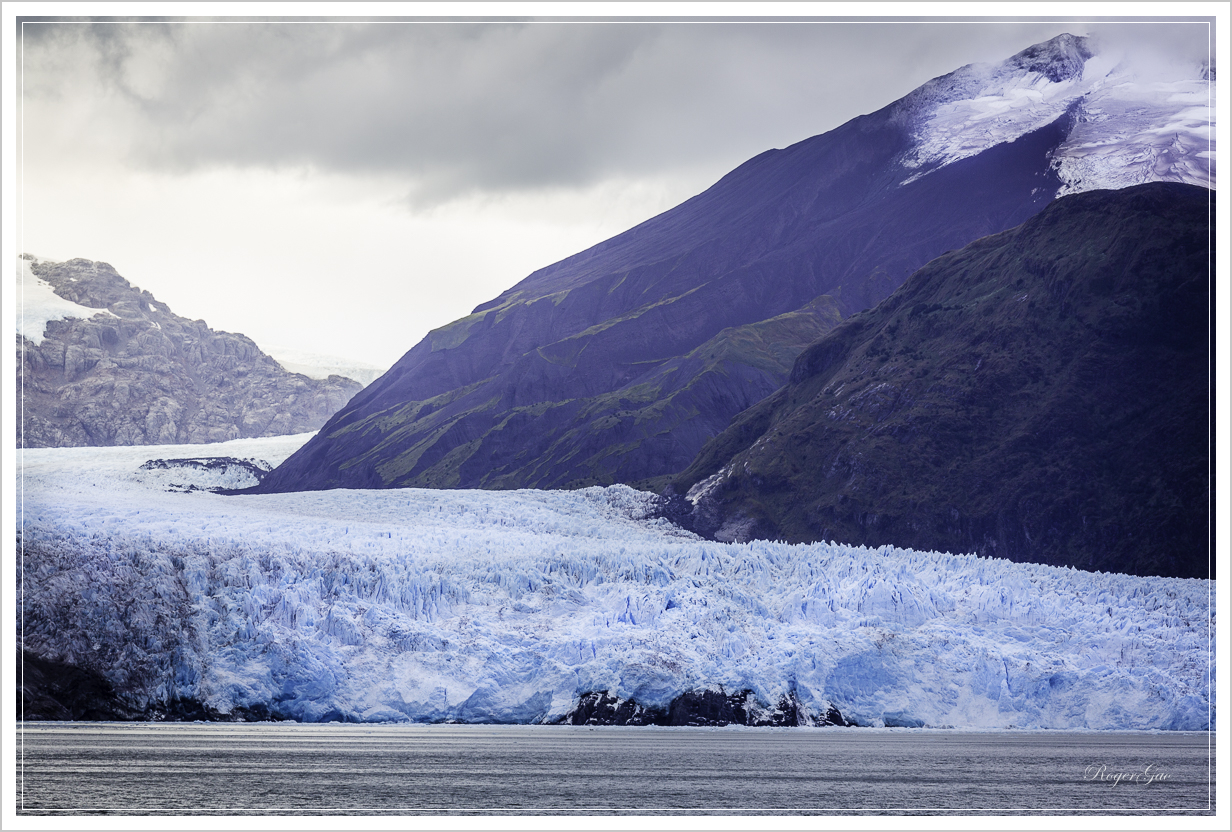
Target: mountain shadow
(1041, 395)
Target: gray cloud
(456, 108)
(1165, 50)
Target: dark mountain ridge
(1041, 395)
(617, 364)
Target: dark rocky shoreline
(57, 691)
(698, 708)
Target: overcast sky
(346, 186)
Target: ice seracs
(423, 605)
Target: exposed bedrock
(135, 373)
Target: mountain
(101, 362)
(619, 363)
(419, 605)
(321, 366)
(1041, 395)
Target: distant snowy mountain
(101, 362)
(535, 606)
(619, 363)
(320, 366)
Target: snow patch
(39, 305)
(706, 486)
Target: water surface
(296, 769)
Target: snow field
(422, 605)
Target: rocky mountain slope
(101, 362)
(1042, 395)
(617, 364)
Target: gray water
(292, 769)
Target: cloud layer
(346, 186)
(457, 108)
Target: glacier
(475, 606)
(1127, 128)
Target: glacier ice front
(397, 605)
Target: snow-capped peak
(1126, 128)
(1064, 57)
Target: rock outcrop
(707, 707)
(138, 374)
